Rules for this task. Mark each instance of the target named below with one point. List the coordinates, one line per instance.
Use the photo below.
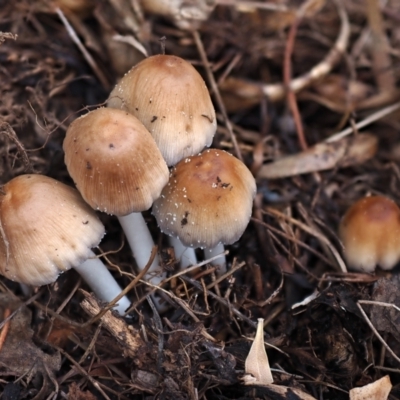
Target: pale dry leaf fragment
(284, 392)
(7, 35)
(186, 15)
(378, 390)
(257, 369)
(323, 156)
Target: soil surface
(307, 96)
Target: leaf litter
(294, 81)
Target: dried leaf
(19, 355)
(185, 15)
(257, 363)
(75, 393)
(323, 156)
(378, 390)
(288, 393)
(387, 319)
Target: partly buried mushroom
(370, 233)
(117, 167)
(170, 98)
(45, 229)
(207, 202)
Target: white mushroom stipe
(220, 262)
(141, 243)
(185, 255)
(100, 280)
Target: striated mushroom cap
(46, 228)
(208, 200)
(370, 233)
(114, 161)
(170, 98)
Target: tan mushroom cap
(208, 200)
(46, 228)
(370, 233)
(114, 161)
(170, 98)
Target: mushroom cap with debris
(208, 200)
(114, 161)
(46, 228)
(170, 98)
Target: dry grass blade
(376, 116)
(90, 60)
(312, 232)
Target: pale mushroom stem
(185, 255)
(219, 249)
(141, 243)
(103, 284)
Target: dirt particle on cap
(184, 220)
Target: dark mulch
(197, 348)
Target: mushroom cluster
(159, 115)
(171, 99)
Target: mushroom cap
(46, 228)
(208, 200)
(170, 98)
(370, 233)
(114, 161)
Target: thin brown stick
(276, 92)
(221, 300)
(89, 59)
(380, 338)
(287, 76)
(312, 232)
(82, 371)
(216, 92)
(6, 327)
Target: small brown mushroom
(116, 165)
(370, 233)
(170, 98)
(208, 201)
(46, 228)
